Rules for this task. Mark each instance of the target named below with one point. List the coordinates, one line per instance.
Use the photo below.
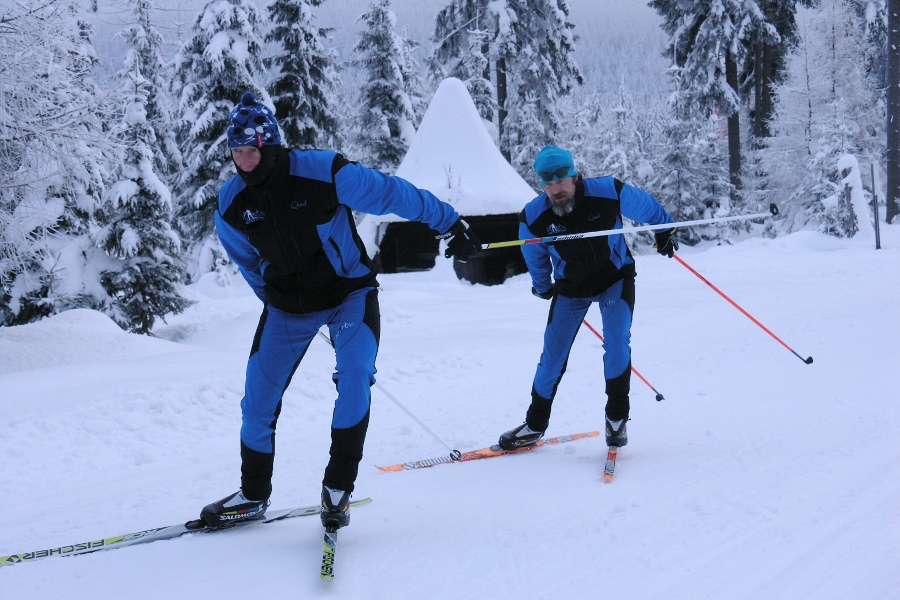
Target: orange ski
(610, 468)
(488, 452)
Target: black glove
(545, 295)
(463, 244)
(666, 243)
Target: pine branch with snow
(54, 156)
(390, 98)
(220, 62)
(306, 84)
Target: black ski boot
(519, 437)
(233, 509)
(335, 511)
(616, 435)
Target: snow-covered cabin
(454, 157)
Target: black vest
(280, 218)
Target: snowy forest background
(113, 116)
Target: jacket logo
(594, 217)
(252, 216)
(555, 229)
(295, 205)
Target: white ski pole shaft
(773, 210)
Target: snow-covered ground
(757, 477)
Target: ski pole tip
(808, 360)
(660, 397)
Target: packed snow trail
(758, 477)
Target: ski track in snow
(757, 477)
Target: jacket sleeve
(243, 254)
(373, 192)
(537, 258)
(640, 206)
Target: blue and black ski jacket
(587, 267)
(293, 236)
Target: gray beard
(561, 210)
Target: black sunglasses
(547, 176)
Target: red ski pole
(635, 371)
(807, 360)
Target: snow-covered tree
(707, 44)
(146, 273)
(824, 109)
(540, 71)
(53, 155)
(761, 70)
(305, 86)
(691, 174)
(391, 97)
(220, 62)
(530, 48)
(874, 13)
(462, 51)
(145, 52)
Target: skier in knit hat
(285, 219)
(576, 273)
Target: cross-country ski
(160, 533)
(488, 452)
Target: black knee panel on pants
(256, 473)
(538, 416)
(617, 390)
(346, 452)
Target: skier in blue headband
(574, 274)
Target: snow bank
(79, 336)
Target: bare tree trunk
(501, 103)
(893, 111)
(734, 126)
(764, 74)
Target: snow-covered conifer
(391, 97)
(53, 156)
(220, 62)
(530, 48)
(542, 69)
(463, 33)
(145, 51)
(305, 85)
(707, 44)
(691, 174)
(825, 108)
(146, 273)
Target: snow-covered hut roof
(454, 157)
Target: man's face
(246, 157)
(561, 194)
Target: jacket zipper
(340, 256)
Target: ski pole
(773, 210)
(454, 454)
(659, 397)
(807, 360)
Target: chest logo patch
(594, 217)
(295, 204)
(555, 229)
(252, 216)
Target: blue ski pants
(281, 341)
(566, 314)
